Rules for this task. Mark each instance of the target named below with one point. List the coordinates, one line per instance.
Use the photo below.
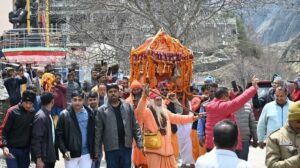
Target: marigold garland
(48, 81)
(155, 61)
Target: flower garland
(157, 60)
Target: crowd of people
(129, 124)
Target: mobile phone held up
(234, 86)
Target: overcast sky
(5, 8)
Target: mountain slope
(274, 23)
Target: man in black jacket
(74, 133)
(16, 133)
(13, 85)
(93, 100)
(115, 128)
(43, 134)
(30, 71)
(260, 102)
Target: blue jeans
(97, 163)
(21, 160)
(119, 158)
(243, 154)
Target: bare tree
(126, 23)
(123, 24)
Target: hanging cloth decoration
(161, 58)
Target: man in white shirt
(223, 155)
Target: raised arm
(181, 119)
(140, 109)
(232, 106)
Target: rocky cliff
(274, 23)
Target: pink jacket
(149, 125)
(218, 110)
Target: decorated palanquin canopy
(162, 58)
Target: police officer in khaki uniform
(283, 145)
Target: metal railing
(20, 38)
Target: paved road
(256, 159)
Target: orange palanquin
(163, 58)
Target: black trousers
(49, 165)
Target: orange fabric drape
(158, 58)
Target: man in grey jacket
(247, 125)
(116, 127)
(71, 86)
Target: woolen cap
(28, 96)
(294, 111)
